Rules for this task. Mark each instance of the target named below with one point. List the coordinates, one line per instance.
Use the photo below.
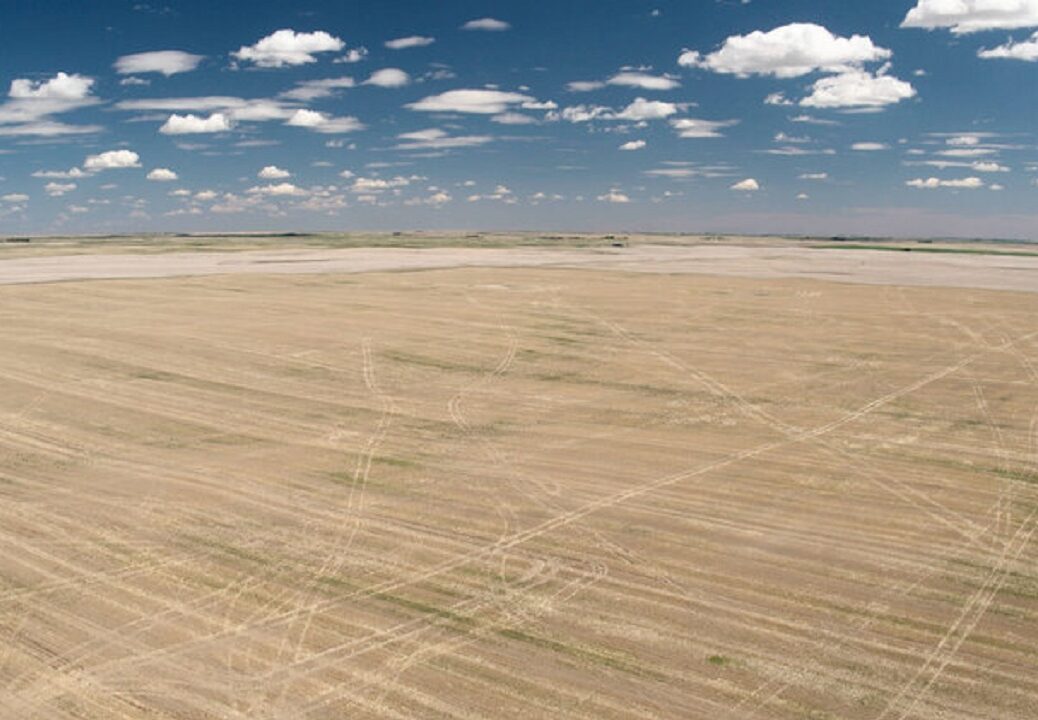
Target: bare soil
(518, 492)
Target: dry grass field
(517, 493)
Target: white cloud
(693, 128)
(513, 118)
(787, 51)
(970, 183)
(747, 185)
(273, 172)
(60, 87)
(963, 140)
(15, 198)
(583, 113)
(287, 47)
(814, 176)
(643, 81)
(486, 23)
(280, 189)
(363, 185)
(411, 41)
(32, 103)
(190, 124)
(996, 187)
(778, 98)
(810, 120)
(134, 81)
(642, 109)
(353, 56)
(47, 128)
(633, 145)
(436, 139)
(439, 198)
(314, 89)
(858, 89)
(60, 174)
(869, 146)
(388, 78)
(989, 167)
(584, 85)
(502, 193)
(167, 62)
(481, 102)
(113, 159)
(964, 152)
(1026, 50)
(324, 123)
(614, 196)
(162, 175)
(204, 103)
(968, 16)
(803, 196)
(58, 189)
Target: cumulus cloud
(113, 159)
(1026, 50)
(438, 198)
(279, 189)
(777, 98)
(583, 113)
(162, 175)
(858, 89)
(388, 78)
(487, 23)
(58, 189)
(15, 198)
(480, 102)
(695, 128)
(273, 172)
(969, 16)
(354, 55)
(437, 139)
(314, 89)
(324, 123)
(287, 47)
(970, 183)
(787, 51)
(60, 87)
(374, 186)
(814, 176)
(32, 103)
(633, 145)
(642, 109)
(409, 42)
(60, 174)
(167, 62)
(869, 146)
(643, 81)
(614, 196)
(191, 124)
(747, 185)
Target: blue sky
(891, 117)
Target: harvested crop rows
(516, 493)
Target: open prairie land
(519, 492)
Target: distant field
(517, 493)
(57, 245)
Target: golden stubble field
(517, 493)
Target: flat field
(517, 492)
